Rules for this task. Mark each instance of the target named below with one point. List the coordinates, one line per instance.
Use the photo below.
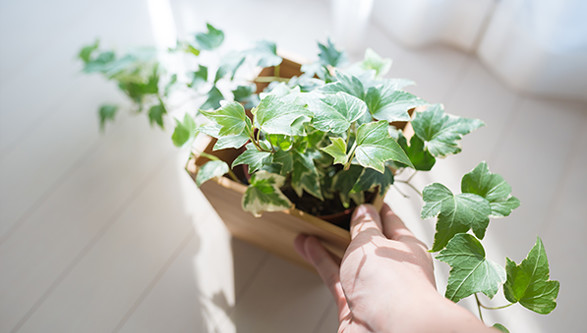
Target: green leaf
(374, 62)
(417, 152)
(85, 54)
(501, 328)
(345, 83)
(252, 157)
(370, 179)
(441, 131)
(375, 146)
(337, 149)
(344, 181)
(213, 100)
(156, 113)
(246, 95)
(456, 213)
(229, 65)
(470, 271)
(386, 103)
(335, 113)
(275, 115)
(232, 141)
(198, 77)
(211, 39)
(107, 113)
(283, 142)
(186, 47)
(528, 282)
(433, 196)
(304, 176)
(232, 119)
(285, 159)
(492, 187)
(184, 131)
(329, 55)
(263, 195)
(211, 169)
(265, 53)
(169, 86)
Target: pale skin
(385, 282)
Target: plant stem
(348, 163)
(276, 70)
(412, 176)
(496, 307)
(410, 185)
(269, 79)
(214, 158)
(348, 136)
(479, 308)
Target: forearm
(435, 313)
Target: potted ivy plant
(302, 145)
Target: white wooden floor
(104, 233)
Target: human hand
(385, 282)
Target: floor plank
(78, 209)
(121, 264)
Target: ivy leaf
(107, 112)
(386, 103)
(263, 195)
(232, 141)
(231, 118)
(211, 39)
(184, 131)
(375, 146)
(211, 169)
(198, 77)
(492, 187)
(337, 149)
(156, 113)
(266, 54)
(441, 131)
(345, 83)
(456, 213)
(501, 328)
(85, 54)
(247, 96)
(213, 100)
(285, 159)
(528, 282)
(253, 158)
(283, 142)
(417, 152)
(470, 271)
(304, 176)
(335, 113)
(169, 86)
(374, 62)
(275, 115)
(398, 84)
(371, 179)
(329, 55)
(229, 64)
(433, 196)
(344, 181)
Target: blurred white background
(102, 233)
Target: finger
(328, 270)
(393, 227)
(365, 219)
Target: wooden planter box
(273, 231)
